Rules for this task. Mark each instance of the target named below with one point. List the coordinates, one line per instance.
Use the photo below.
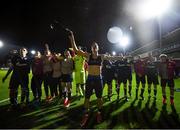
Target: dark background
(27, 23)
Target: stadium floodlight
(153, 8)
(33, 52)
(114, 34)
(124, 41)
(113, 53)
(131, 28)
(1, 44)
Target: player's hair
(95, 44)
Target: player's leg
(69, 90)
(45, 79)
(60, 87)
(171, 86)
(77, 89)
(163, 85)
(13, 98)
(65, 94)
(63, 85)
(77, 79)
(68, 94)
(51, 85)
(13, 93)
(99, 90)
(85, 113)
(124, 80)
(82, 82)
(78, 93)
(24, 81)
(39, 89)
(56, 87)
(88, 93)
(82, 90)
(33, 87)
(109, 90)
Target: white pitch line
(5, 100)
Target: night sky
(27, 23)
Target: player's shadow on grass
(30, 116)
(72, 116)
(134, 117)
(70, 119)
(125, 118)
(55, 116)
(170, 120)
(109, 109)
(149, 112)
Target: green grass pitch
(116, 114)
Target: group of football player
(91, 72)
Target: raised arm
(73, 44)
(106, 57)
(46, 47)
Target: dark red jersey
(167, 69)
(139, 67)
(37, 66)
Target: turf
(117, 114)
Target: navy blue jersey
(120, 67)
(108, 68)
(151, 68)
(21, 65)
(128, 66)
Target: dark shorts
(56, 80)
(121, 78)
(169, 82)
(152, 79)
(108, 79)
(141, 79)
(17, 80)
(47, 78)
(36, 81)
(67, 78)
(94, 83)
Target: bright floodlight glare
(33, 52)
(114, 34)
(130, 28)
(154, 8)
(124, 41)
(113, 53)
(1, 44)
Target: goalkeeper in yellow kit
(79, 74)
